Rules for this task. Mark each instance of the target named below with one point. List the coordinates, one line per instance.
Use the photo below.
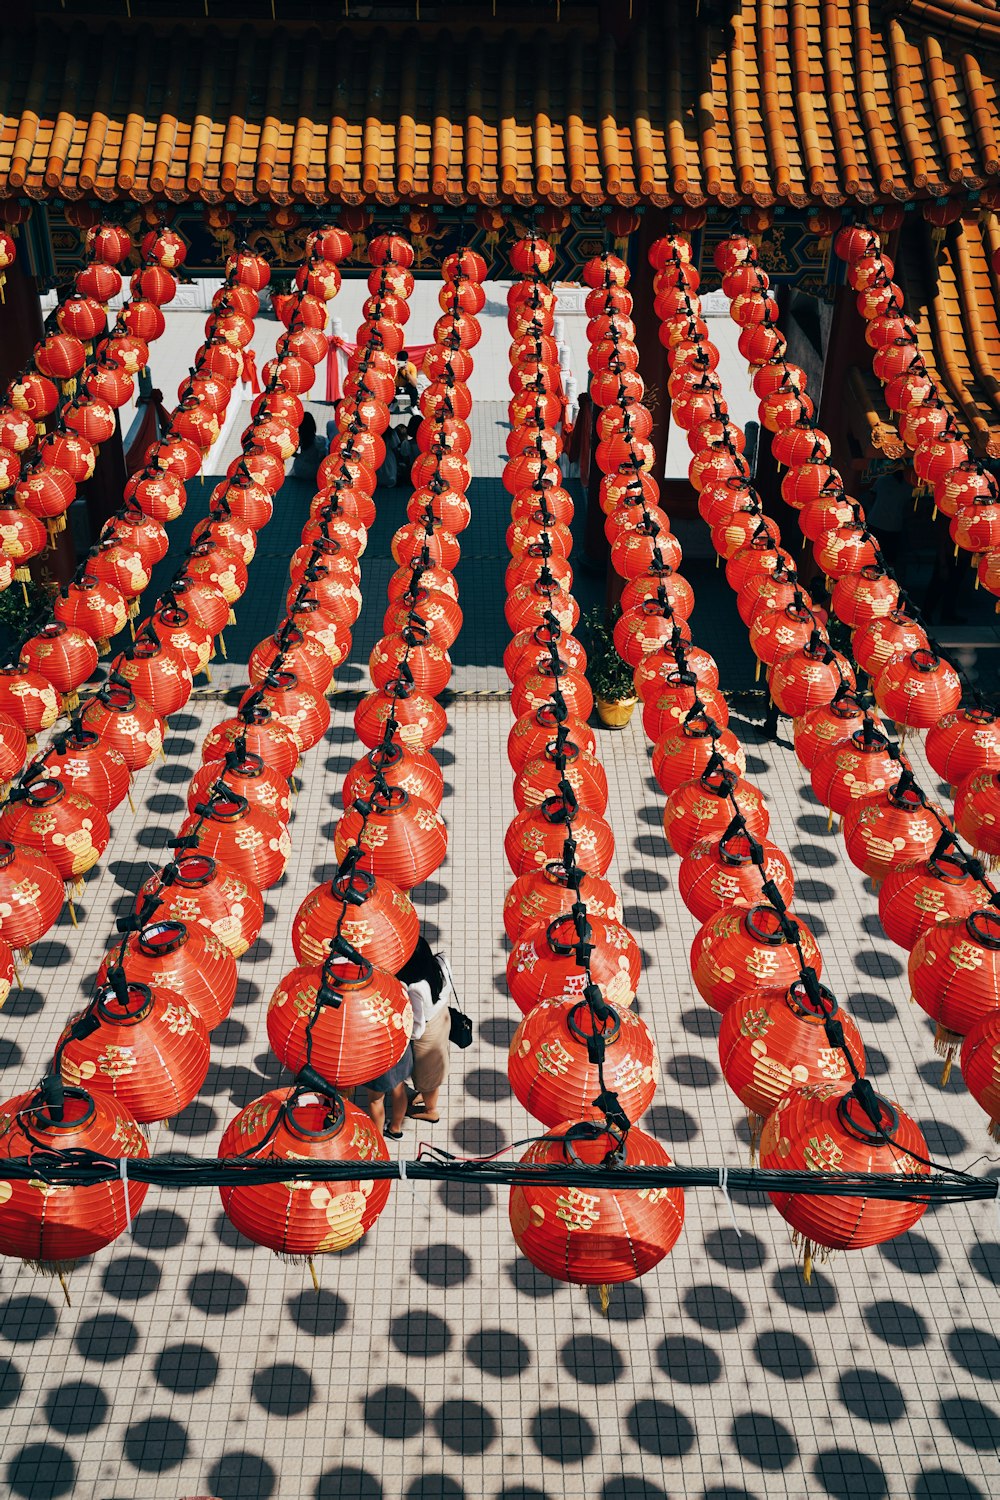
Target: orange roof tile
(792, 100)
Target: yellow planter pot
(615, 715)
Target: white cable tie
(401, 1164)
(123, 1173)
(724, 1188)
(996, 1198)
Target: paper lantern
(535, 729)
(544, 894)
(126, 722)
(567, 1029)
(65, 656)
(247, 775)
(980, 1062)
(420, 719)
(31, 897)
(370, 913)
(55, 1229)
(823, 1128)
(964, 742)
(543, 964)
(918, 689)
(258, 729)
(200, 891)
(410, 767)
(594, 1236)
(305, 713)
(694, 746)
(855, 769)
(721, 872)
(400, 837)
(358, 1020)
(913, 900)
(777, 1040)
(538, 835)
(885, 640)
(83, 762)
(227, 827)
(743, 950)
(311, 1218)
(704, 807)
(891, 830)
(64, 825)
(148, 1050)
(186, 960)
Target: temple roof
(801, 101)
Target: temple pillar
(20, 320)
(103, 492)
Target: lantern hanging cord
(81, 1168)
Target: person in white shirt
(430, 993)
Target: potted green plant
(609, 676)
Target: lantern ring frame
(608, 1034)
(868, 1132)
(984, 926)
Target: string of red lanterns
(890, 825)
(341, 1017)
(140, 1051)
(792, 1057)
(60, 807)
(888, 821)
(581, 1062)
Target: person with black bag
(431, 992)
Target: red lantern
(311, 1218)
(155, 672)
(744, 950)
(258, 728)
(703, 808)
(82, 317)
(305, 713)
(595, 1236)
(886, 639)
(370, 913)
(963, 742)
(64, 825)
(695, 745)
(29, 699)
(248, 270)
(913, 900)
(83, 762)
(247, 775)
(227, 827)
(55, 1228)
(35, 395)
(918, 690)
(203, 892)
(567, 1028)
(183, 633)
(859, 598)
(533, 731)
(536, 837)
(977, 812)
(544, 963)
(46, 492)
(542, 777)
(855, 769)
(31, 897)
(980, 1062)
(126, 722)
(189, 961)
(720, 872)
(302, 653)
(145, 1049)
(824, 1128)
(894, 829)
(358, 1020)
(776, 1041)
(545, 894)
(400, 837)
(420, 720)
(809, 677)
(65, 656)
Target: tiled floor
(434, 1362)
